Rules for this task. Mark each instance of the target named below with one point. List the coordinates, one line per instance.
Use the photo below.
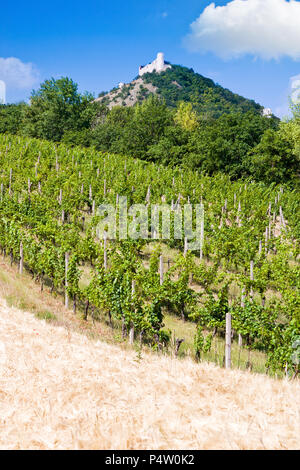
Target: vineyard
(246, 273)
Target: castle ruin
(2, 92)
(158, 65)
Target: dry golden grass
(60, 390)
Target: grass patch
(239, 356)
(20, 302)
(48, 316)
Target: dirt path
(59, 390)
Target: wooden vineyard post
(161, 269)
(242, 306)
(131, 331)
(260, 248)
(282, 221)
(153, 231)
(10, 181)
(251, 300)
(266, 240)
(105, 251)
(238, 216)
(251, 278)
(105, 268)
(10, 178)
(185, 246)
(202, 233)
(21, 258)
(148, 195)
(228, 342)
(66, 279)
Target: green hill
(181, 84)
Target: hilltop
(177, 84)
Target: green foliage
(201, 343)
(48, 316)
(11, 118)
(186, 117)
(209, 100)
(133, 130)
(189, 122)
(58, 108)
(236, 216)
(153, 131)
(276, 157)
(223, 144)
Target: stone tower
(158, 65)
(2, 92)
(160, 62)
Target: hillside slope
(60, 390)
(181, 84)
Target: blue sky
(99, 44)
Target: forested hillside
(210, 100)
(182, 84)
(191, 123)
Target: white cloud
(291, 95)
(295, 89)
(269, 29)
(17, 74)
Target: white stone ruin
(2, 92)
(267, 112)
(158, 65)
(295, 85)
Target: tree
(57, 108)
(11, 117)
(186, 117)
(147, 125)
(223, 144)
(276, 157)
(109, 128)
(172, 147)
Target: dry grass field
(61, 390)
